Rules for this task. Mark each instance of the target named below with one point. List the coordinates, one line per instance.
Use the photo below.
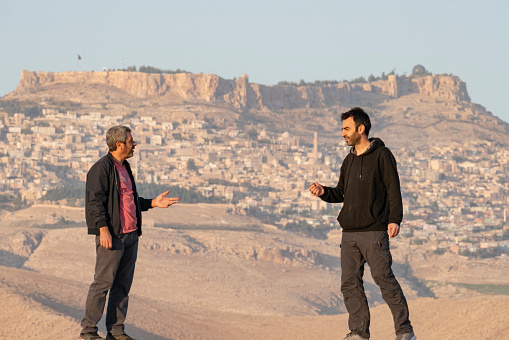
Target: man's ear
(361, 129)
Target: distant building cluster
(455, 197)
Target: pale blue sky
(268, 40)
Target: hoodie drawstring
(360, 175)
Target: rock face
(242, 94)
(187, 86)
(444, 86)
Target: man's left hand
(393, 230)
(162, 201)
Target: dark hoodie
(369, 187)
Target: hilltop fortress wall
(242, 94)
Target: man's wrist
(323, 193)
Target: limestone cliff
(188, 86)
(241, 93)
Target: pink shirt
(128, 218)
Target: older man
(113, 213)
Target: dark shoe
(90, 336)
(406, 336)
(119, 337)
(353, 336)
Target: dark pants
(114, 271)
(372, 247)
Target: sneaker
(406, 336)
(119, 337)
(90, 336)
(354, 336)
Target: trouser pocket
(379, 256)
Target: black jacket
(369, 187)
(102, 201)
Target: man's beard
(353, 139)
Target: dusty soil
(237, 279)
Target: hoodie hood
(375, 143)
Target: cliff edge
(241, 94)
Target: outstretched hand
(316, 189)
(162, 201)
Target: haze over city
(271, 41)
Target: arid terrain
(231, 279)
(213, 271)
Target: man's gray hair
(116, 134)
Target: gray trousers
(114, 271)
(372, 247)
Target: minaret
(315, 148)
(315, 155)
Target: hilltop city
(259, 147)
(452, 204)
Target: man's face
(350, 134)
(127, 148)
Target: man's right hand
(316, 189)
(105, 238)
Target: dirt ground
(228, 281)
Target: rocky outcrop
(443, 86)
(241, 93)
(184, 85)
(264, 97)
